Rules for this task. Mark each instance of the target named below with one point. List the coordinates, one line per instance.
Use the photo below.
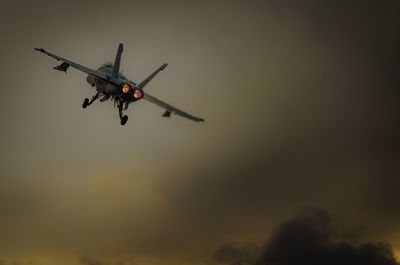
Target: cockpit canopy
(105, 65)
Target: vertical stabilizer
(148, 79)
(117, 61)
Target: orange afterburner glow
(126, 88)
(138, 94)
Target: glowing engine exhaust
(126, 88)
(137, 93)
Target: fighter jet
(111, 84)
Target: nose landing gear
(123, 118)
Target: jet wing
(170, 108)
(66, 63)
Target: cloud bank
(308, 238)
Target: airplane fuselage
(109, 89)
(111, 84)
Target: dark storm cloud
(309, 238)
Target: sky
(300, 141)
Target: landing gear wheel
(85, 103)
(124, 120)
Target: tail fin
(148, 79)
(117, 61)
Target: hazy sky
(301, 102)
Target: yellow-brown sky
(301, 106)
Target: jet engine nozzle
(138, 94)
(135, 92)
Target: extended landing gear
(86, 102)
(123, 118)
